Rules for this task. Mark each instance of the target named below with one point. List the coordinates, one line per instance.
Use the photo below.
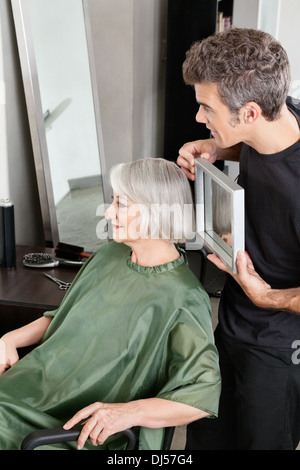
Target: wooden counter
(25, 293)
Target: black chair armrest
(169, 433)
(57, 435)
(52, 436)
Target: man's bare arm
(258, 291)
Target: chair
(51, 436)
(212, 278)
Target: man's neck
(270, 137)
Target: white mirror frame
(203, 196)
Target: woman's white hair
(163, 194)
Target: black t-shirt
(272, 235)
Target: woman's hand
(8, 354)
(105, 419)
(102, 420)
(21, 337)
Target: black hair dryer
(7, 234)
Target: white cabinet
(257, 14)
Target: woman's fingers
(82, 414)
(93, 428)
(90, 431)
(102, 420)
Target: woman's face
(124, 215)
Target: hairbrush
(70, 252)
(39, 260)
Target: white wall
(245, 13)
(281, 18)
(288, 35)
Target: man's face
(217, 117)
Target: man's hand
(200, 148)
(206, 149)
(252, 284)
(257, 289)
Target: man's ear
(251, 112)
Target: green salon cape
(123, 332)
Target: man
(241, 79)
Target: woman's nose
(110, 213)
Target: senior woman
(132, 342)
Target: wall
(149, 77)
(18, 181)
(128, 37)
(112, 30)
(278, 17)
(245, 13)
(289, 37)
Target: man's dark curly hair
(246, 65)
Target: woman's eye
(121, 205)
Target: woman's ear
(251, 112)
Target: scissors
(61, 284)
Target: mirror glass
(57, 49)
(219, 212)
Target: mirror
(56, 57)
(219, 212)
